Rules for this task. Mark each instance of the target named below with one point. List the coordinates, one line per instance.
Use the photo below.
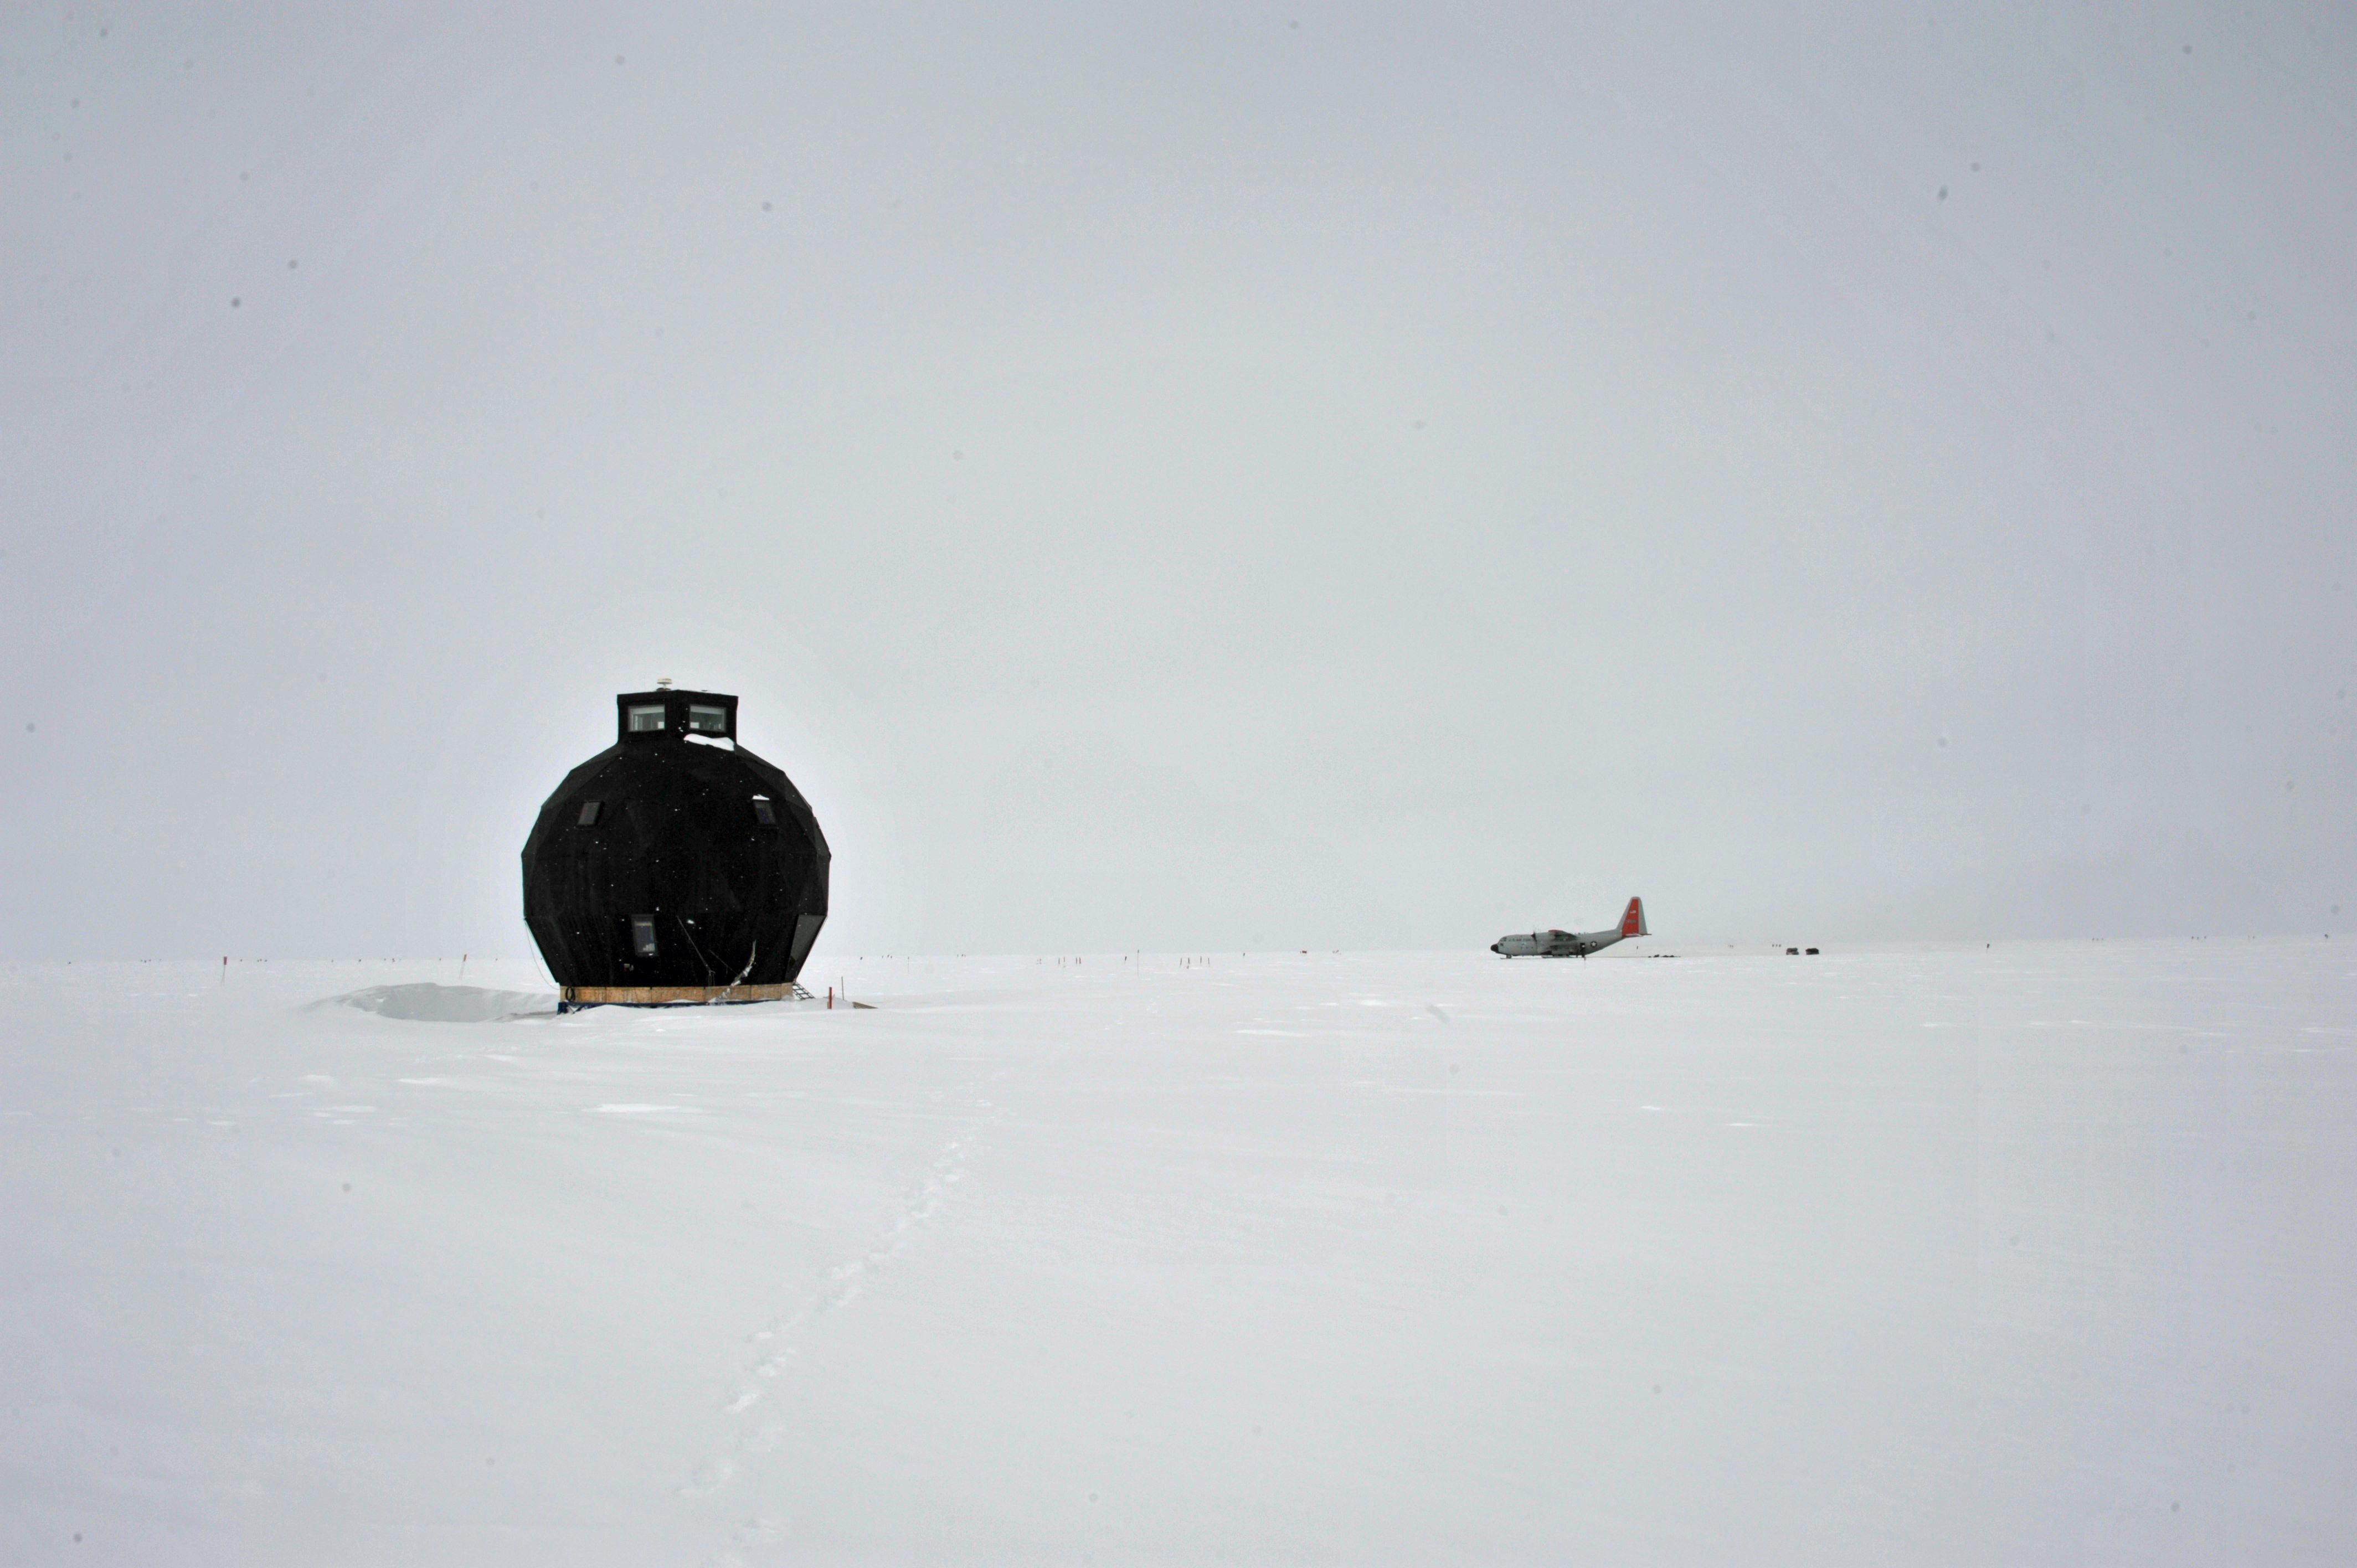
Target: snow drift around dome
(427, 1002)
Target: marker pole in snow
(224, 969)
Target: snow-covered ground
(2032, 1253)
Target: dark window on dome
(707, 721)
(646, 718)
(589, 814)
(642, 935)
(762, 813)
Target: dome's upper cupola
(650, 716)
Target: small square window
(647, 718)
(642, 935)
(707, 721)
(589, 809)
(762, 811)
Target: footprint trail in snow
(777, 1342)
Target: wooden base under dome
(573, 996)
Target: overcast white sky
(1311, 476)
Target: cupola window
(707, 721)
(649, 717)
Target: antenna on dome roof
(663, 683)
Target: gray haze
(1325, 475)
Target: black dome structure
(674, 865)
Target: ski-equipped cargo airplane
(1573, 944)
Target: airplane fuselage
(1554, 944)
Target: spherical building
(674, 865)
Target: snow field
(2032, 1252)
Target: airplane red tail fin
(1632, 922)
